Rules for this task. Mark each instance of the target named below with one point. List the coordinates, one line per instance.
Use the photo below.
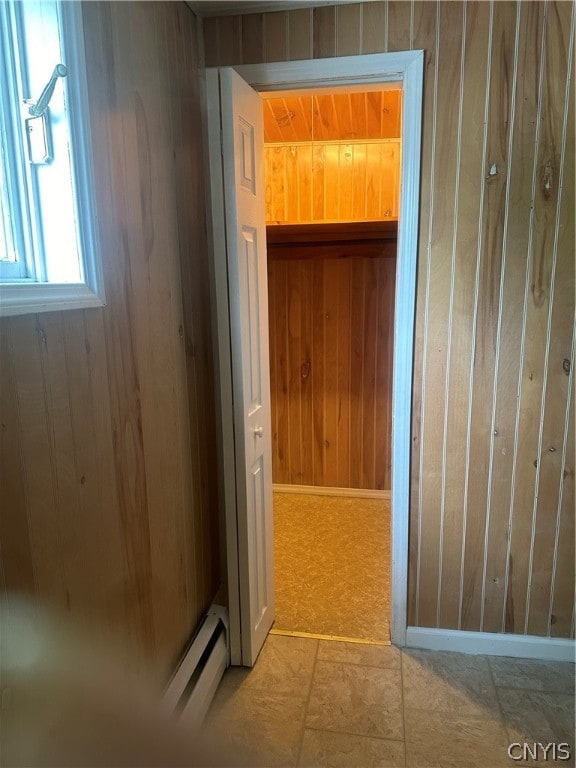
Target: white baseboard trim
(321, 490)
(492, 644)
(192, 688)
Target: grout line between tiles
(403, 708)
(307, 704)
(357, 735)
(498, 702)
(546, 692)
(356, 664)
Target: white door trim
(407, 68)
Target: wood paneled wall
(108, 486)
(331, 324)
(492, 492)
(332, 181)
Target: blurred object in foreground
(68, 701)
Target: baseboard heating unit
(191, 690)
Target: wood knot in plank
(547, 180)
(305, 370)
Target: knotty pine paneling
(492, 489)
(108, 484)
(330, 324)
(333, 117)
(332, 181)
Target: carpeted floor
(332, 565)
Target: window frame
(29, 295)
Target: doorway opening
(236, 151)
(333, 166)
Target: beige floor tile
(442, 740)
(259, 728)
(552, 676)
(359, 653)
(339, 750)
(365, 701)
(537, 716)
(258, 714)
(448, 682)
(285, 666)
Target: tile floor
(311, 702)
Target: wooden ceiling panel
(333, 117)
(391, 111)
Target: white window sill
(19, 299)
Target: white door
(243, 182)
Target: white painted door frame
(405, 68)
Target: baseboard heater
(192, 688)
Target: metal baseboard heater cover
(192, 688)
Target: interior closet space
(331, 299)
(332, 164)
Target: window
(48, 239)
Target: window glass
(47, 232)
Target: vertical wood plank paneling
(327, 181)
(331, 394)
(344, 371)
(488, 313)
(188, 197)
(276, 36)
(358, 361)
(17, 558)
(349, 30)
(369, 393)
(186, 527)
(385, 358)
(334, 318)
(63, 459)
(252, 38)
(211, 42)
(324, 31)
(273, 355)
(282, 402)
(117, 523)
(153, 277)
(464, 240)
(305, 181)
(399, 25)
(300, 34)
(38, 472)
(294, 374)
(537, 305)
(229, 40)
(374, 27)
(318, 371)
(562, 600)
(307, 364)
(489, 397)
(425, 38)
(555, 275)
(519, 180)
(437, 320)
(318, 203)
(562, 587)
(121, 332)
(99, 535)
